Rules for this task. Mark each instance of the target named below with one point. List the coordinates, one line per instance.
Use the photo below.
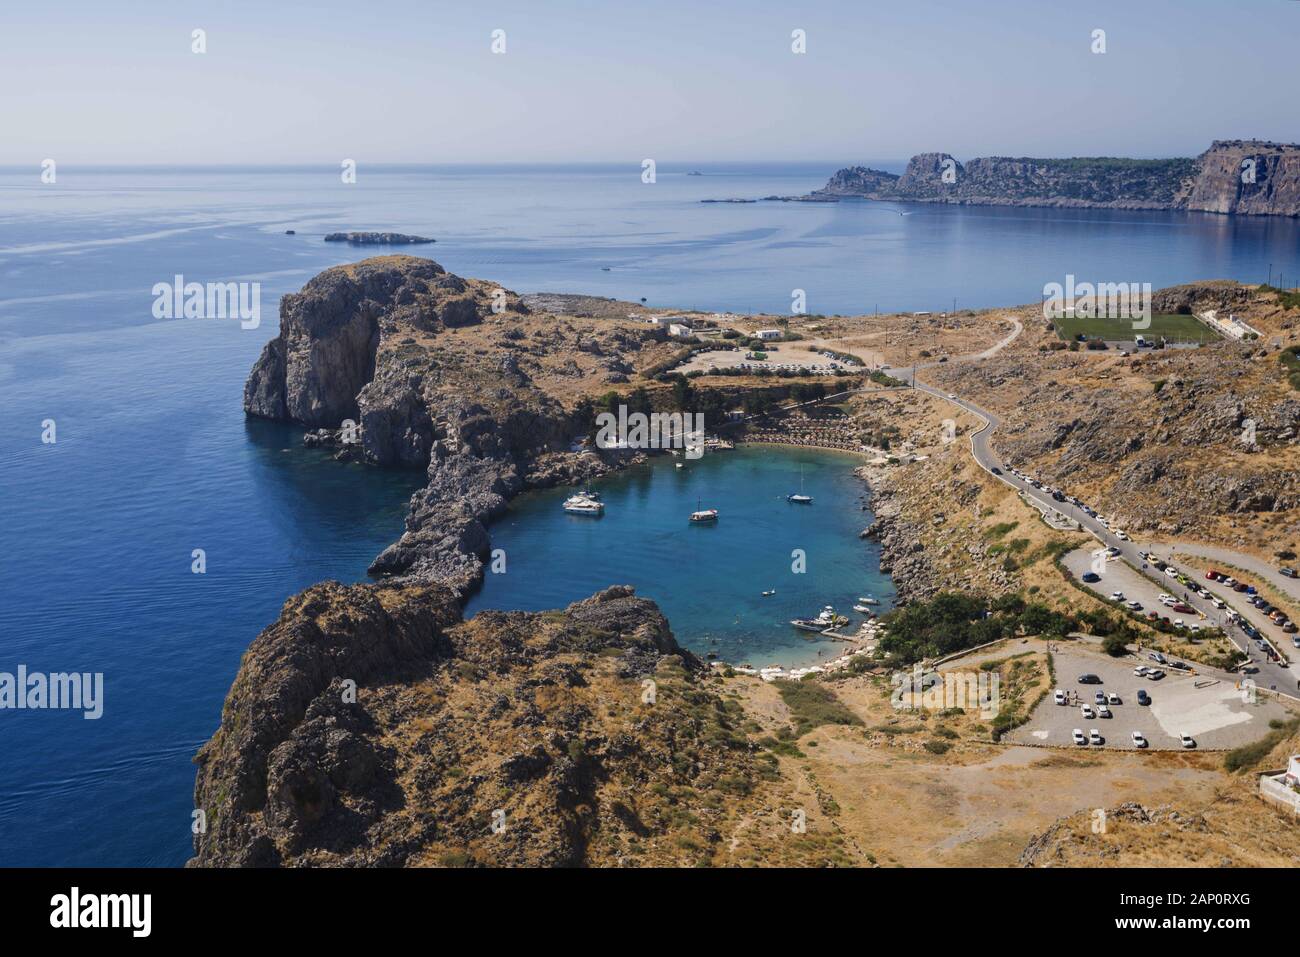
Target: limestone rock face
(1247, 177)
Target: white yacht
(582, 504)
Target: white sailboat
(800, 498)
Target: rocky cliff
(367, 353)
(371, 726)
(1250, 177)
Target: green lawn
(1175, 328)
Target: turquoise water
(154, 457)
(708, 579)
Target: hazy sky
(398, 81)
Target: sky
(395, 81)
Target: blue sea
(154, 460)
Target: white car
(1113, 698)
(1059, 696)
(1094, 736)
(1220, 603)
(1138, 740)
(1103, 711)
(1140, 671)
(951, 395)
(1077, 734)
(1135, 605)
(1187, 740)
(1117, 596)
(1165, 596)
(1171, 571)
(1119, 533)
(1086, 711)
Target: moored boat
(581, 504)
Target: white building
(768, 334)
(679, 330)
(1283, 789)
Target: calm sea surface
(154, 459)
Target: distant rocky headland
(377, 239)
(1246, 177)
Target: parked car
(1099, 697)
(1094, 736)
(1117, 596)
(1059, 696)
(996, 470)
(1140, 671)
(1089, 679)
(1154, 674)
(1135, 605)
(1143, 697)
(1187, 740)
(1138, 740)
(1113, 698)
(1212, 575)
(1091, 577)
(1157, 657)
(1077, 734)
(1103, 711)
(1288, 572)
(1086, 711)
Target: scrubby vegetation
(954, 621)
(812, 704)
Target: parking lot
(1214, 714)
(779, 356)
(1118, 576)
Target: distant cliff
(1250, 177)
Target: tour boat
(704, 516)
(826, 619)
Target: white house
(680, 330)
(768, 334)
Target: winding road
(1275, 675)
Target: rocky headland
(1245, 177)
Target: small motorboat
(799, 499)
(868, 600)
(769, 592)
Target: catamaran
(583, 504)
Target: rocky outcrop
(376, 239)
(369, 726)
(1249, 177)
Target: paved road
(1268, 571)
(1273, 675)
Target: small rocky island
(377, 239)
